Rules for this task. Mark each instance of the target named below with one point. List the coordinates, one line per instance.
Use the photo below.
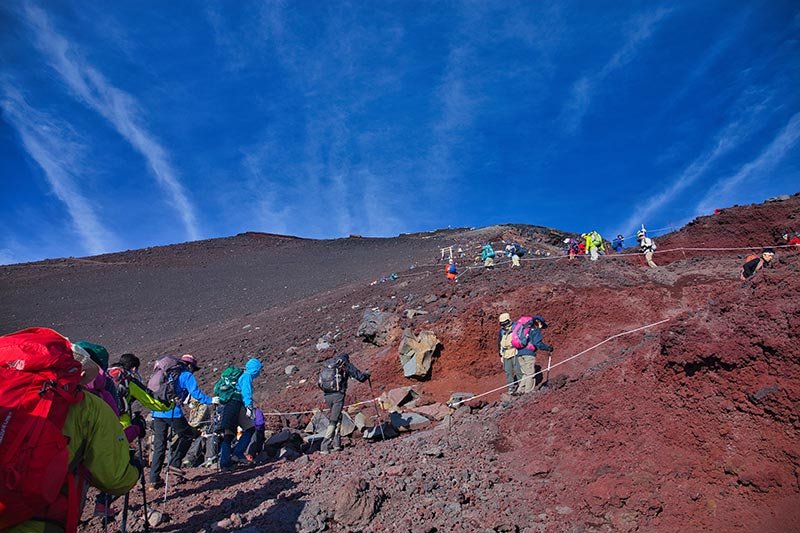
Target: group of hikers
(591, 244)
(517, 343)
(68, 420)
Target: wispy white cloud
(730, 137)
(7, 257)
(119, 108)
(583, 90)
(722, 192)
(50, 144)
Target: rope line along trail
(533, 376)
(365, 402)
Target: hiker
(647, 245)
(205, 448)
(239, 411)
(515, 251)
(795, 240)
(185, 385)
(572, 249)
(333, 382)
(508, 354)
(527, 338)
(594, 245)
(754, 263)
(487, 255)
(450, 271)
(618, 244)
(461, 254)
(47, 496)
(256, 445)
(105, 386)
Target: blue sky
(130, 124)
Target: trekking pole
(169, 460)
(144, 489)
(549, 360)
(124, 523)
(377, 413)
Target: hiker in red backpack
(44, 468)
(527, 338)
(754, 263)
(176, 378)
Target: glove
(138, 421)
(135, 462)
(215, 400)
(249, 412)
(367, 374)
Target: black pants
(335, 401)
(185, 434)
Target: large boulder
(394, 399)
(376, 326)
(416, 353)
(357, 503)
(408, 421)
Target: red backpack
(38, 383)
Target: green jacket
(97, 444)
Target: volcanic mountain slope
(689, 425)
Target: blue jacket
(245, 384)
(535, 338)
(186, 386)
(618, 245)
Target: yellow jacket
(96, 443)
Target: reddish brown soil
(689, 426)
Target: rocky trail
(691, 425)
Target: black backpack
(332, 376)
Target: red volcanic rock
(693, 425)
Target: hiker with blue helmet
(531, 328)
(239, 412)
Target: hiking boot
(208, 463)
(155, 485)
(102, 510)
(174, 470)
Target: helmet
(505, 317)
(620, 236)
(541, 320)
(640, 234)
(566, 240)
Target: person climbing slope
(754, 263)
(175, 378)
(83, 444)
(647, 245)
(527, 338)
(451, 271)
(618, 244)
(594, 245)
(239, 411)
(333, 382)
(487, 255)
(508, 354)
